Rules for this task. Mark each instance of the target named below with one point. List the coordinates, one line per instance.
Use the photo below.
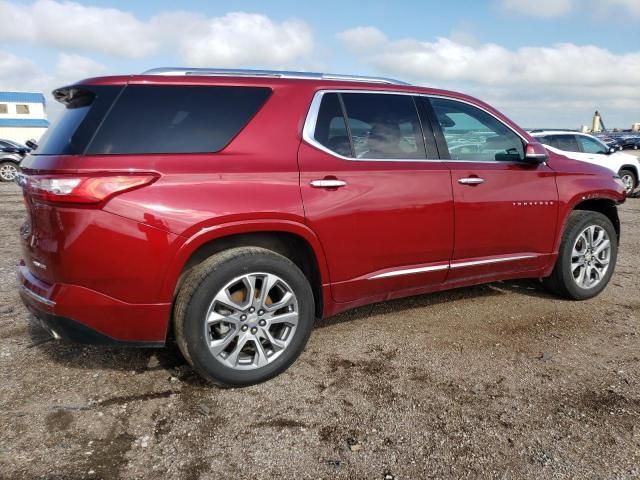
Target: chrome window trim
(450, 265)
(37, 297)
(310, 122)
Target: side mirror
(535, 153)
(31, 144)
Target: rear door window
(384, 126)
(176, 119)
(568, 143)
(331, 128)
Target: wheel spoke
(260, 359)
(215, 317)
(581, 275)
(290, 318)
(268, 282)
(277, 344)
(283, 302)
(217, 346)
(233, 356)
(590, 235)
(604, 244)
(600, 237)
(225, 299)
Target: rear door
(375, 193)
(505, 209)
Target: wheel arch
(633, 169)
(290, 239)
(604, 206)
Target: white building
(22, 116)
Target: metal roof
(25, 97)
(24, 122)
(227, 72)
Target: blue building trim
(24, 122)
(21, 97)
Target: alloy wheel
(590, 256)
(251, 321)
(8, 172)
(627, 180)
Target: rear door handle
(471, 181)
(328, 183)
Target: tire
(563, 280)
(8, 171)
(217, 290)
(629, 179)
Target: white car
(587, 148)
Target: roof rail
(226, 72)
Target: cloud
(541, 78)
(538, 8)
(74, 26)
(362, 37)
(557, 8)
(235, 39)
(240, 38)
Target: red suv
(234, 208)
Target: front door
(375, 194)
(505, 209)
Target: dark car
(632, 142)
(612, 142)
(235, 208)
(11, 154)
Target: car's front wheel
(629, 179)
(586, 258)
(8, 171)
(243, 316)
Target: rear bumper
(82, 315)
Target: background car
(611, 141)
(587, 148)
(11, 154)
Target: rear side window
(185, 119)
(567, 143)
(384, 126)
(377, 126)
(331, 128)
(150, 119)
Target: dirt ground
(496, 381)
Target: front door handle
(471, 181)
(328, 183)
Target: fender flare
(215, 232)
(610, 195)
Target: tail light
(84, 190)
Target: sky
(544, 63)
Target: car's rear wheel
(243, 316)
(629, 179)
(586, 258)
(8, 171)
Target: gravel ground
(500, 380)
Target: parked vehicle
(237, 207)
(587, 148)
(611, 142)
(11, 154)
(630, 142)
